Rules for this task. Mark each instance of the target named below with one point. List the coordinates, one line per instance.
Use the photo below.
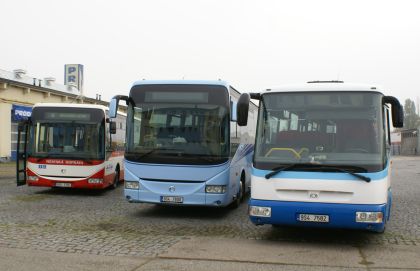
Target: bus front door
(21, 153)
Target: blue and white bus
(322, 155)
(183, 144)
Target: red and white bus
(72, 146)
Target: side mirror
(113, 105)
(233, 111)
(397, 111)
(113, 127)
(113, 108)
(400, 122)
(242, 109)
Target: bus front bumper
(96, 181)
(184, 194)
(337, 215)
(82, 184)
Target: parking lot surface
(102, 223)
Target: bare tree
(411, 119)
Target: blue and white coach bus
(183, 144)
(322, 155)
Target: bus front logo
(314, 195)
(171, 188)
(63, 171)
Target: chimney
(49, 81)
(19, 73)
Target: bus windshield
(75, 133)
(178, 125)
(342, 129)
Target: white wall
(5, 127)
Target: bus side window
(387, 136)
(107, 136)
(386, 127)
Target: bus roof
(324, 86)
(182, 82)
(97, 106)
(188, 82)
(93, 106)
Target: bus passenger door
(21, 153)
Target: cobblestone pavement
(103, 223)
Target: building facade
(396, 143)
(18, 93)
(410, 142)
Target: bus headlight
(95, 180)
(216, 189)
(260, 211)
(132, 185)
(33, 178)
(369, 217)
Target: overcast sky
(251, 44)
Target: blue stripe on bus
(244, 151)
(289, 174)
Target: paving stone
(102, 222)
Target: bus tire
(243, 188)
(381, 231)
(241, 193)
(116, 179)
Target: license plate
(172, 199)
(63, 184)
(314, 218)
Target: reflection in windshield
(335, 128)
(178, 133)
(68, 140)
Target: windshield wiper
(139, 156)
(143, 154)
(279, 169)
(287, 167)
(357, 175)
(317, 167)
(54, 155)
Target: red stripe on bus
(67, 162)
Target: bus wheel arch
(116, 177)
(240, 193)
(242, 183)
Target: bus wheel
(380, 231)
(241, 194)
(116, 179)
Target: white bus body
(71, 145)
(322, 156)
